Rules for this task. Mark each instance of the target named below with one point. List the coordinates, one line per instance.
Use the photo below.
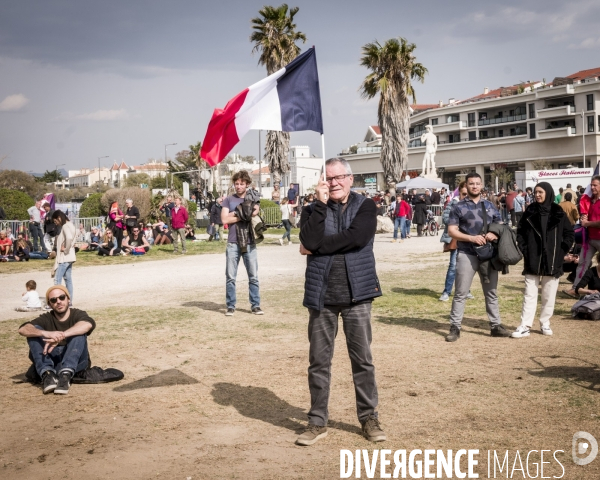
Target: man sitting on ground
(5, 244)
(57, 341)
(135, 243)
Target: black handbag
(130, 222)
(484, 252)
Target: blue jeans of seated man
(72, 357)
(451, 273)
(250, 258)
(64, 271)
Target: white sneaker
(470, 296)
(520, 332)
(281, 242)
(444, 298)
(546, 330)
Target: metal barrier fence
(18, 226)
(271, 216)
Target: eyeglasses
(53, 300)
(338, 178)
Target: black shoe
(49, 381)
(499, 331)
(230, 312)
(454, 334)
(257, 311)
(64, 383)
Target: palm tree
(393, 67)
(275, 37)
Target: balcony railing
(493, 121)
(448, 142)
(416, 134)
(361, 150)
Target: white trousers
(549, 288)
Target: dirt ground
(208, 397)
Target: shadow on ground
(213, 307)
(166, 378)
(262, 404)
(209, 306)
(574, 370)
(476, 326)
(425, 292)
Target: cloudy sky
(81, 79)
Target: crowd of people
(552, 234)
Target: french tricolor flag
(288, 100)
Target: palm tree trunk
(277, 148)
(393, 116)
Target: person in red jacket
(401, 211)
(179, 217)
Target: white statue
(430, 141)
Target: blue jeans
(38, 255)
(288, 229)
(72, 357)
(64, 271)
(250, 258)
(398, 223)
(36, 232)
(406, 227)
(451, 273)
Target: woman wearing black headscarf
(545, 236)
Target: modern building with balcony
(509, 127)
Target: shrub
(15, 204)
(192, 208)
(265, 203)
(141, 199)
(92, 207)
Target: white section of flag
(261, 109)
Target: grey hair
(341, 160)
(129, 200)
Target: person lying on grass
(58, 341)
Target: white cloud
(104, 115)
(12, 103)
(587, 43)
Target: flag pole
(323, 150)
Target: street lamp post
(166, 174)
(56, 171)
(583, 126)
(99, 180)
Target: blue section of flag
(299, 95)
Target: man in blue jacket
(337, 233)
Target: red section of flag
(221, 135)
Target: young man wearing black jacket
(337, 236)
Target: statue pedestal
(432, 176)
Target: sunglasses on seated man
(62, 298)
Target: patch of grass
(84, 259)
